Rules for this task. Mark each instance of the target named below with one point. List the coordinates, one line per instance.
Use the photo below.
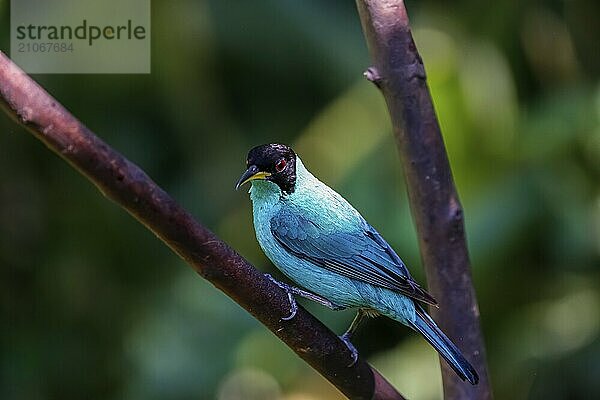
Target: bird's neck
(264, 193)
(304, 179)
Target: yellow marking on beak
(258, 175)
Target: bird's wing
(362, 255)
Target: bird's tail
(434, 335)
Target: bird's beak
(252, 173)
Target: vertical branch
(399, 72)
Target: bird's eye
(280, 166)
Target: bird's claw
(293, 308)
(346, 339)
(293, 304)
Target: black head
(272, 162)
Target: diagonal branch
(399, 72)
(127, 185)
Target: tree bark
(127, 185)
(399, 73)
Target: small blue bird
(319, 241)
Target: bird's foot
(293, 308)
(292, 290)
(346, 339)
(287, 288)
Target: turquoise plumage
(319, 241)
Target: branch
(399, 72)
(127, 185)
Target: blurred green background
(93, 306)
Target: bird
(319, 241)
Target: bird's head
(271, 162)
